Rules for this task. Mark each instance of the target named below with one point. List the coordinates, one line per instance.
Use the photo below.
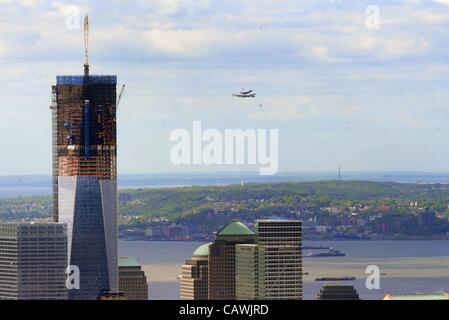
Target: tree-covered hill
(186, 201)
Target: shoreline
(303, 240)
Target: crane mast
(120, 96)
(86, 46)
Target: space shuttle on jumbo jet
(245, 94)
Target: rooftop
(79, 80)
(276, 219)
(128, 262)
(202, 251)
(235, 228)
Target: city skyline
(242, 264)
(339, 93)
(266, 151)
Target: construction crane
(86, 46)
(120, 96)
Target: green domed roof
(202, 251)
(235, 228)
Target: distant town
(330, 210)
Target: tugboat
(331, 253)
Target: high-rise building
(195, 275)
(33, 261)
(132, 279)
(222, 260)
(85, 176)
(271, 269)
(337, 292)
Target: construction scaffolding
(84, 128)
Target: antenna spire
(86, 45)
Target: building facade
(85, 178)
(132, 279)
(338, 292)
(33, 261)
(271, 269)
(249, 264)
(195, 275)
(222, 284)
(112, 296)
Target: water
(158, 252)
(14, 192)
(387, 249)
(169, 254)
(412, 266)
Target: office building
(85, 176)
(271, 268)
(195, 275)
(222, 260)
(33, 261)
(132, 279)
(338, 292)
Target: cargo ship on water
(316, 248)
(347, 278)
(330, 253)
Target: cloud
(445, 2)
(182, 42)
(3, 49)
(312, 63)
(25, 3)
(220, 32)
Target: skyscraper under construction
(85, 176)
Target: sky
(340, 88)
